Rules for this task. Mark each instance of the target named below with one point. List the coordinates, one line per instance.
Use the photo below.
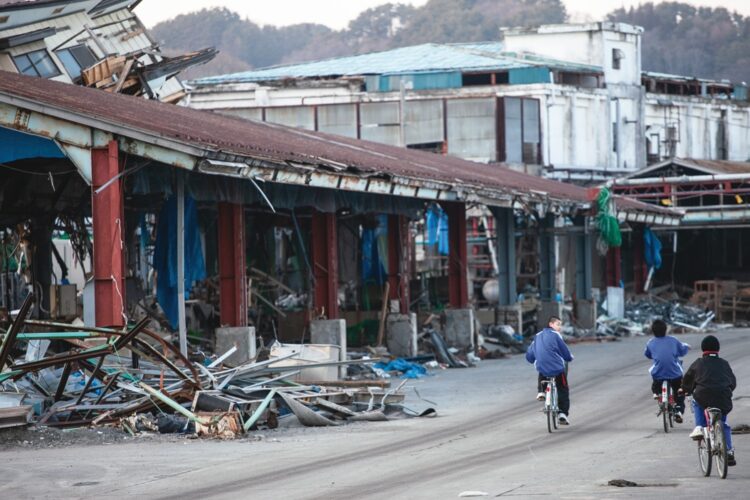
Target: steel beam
(458, 281)
(639, 264)
(547, 279)
(108, 223)
(614, 266)
(325, 265)
(584, 270)
(233, 285)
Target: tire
(721, 449)
(704, 456)
(670, 406)
(550, 418)
(555, 409)
(665, 416)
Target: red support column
(639, 265)
(398, 260)
(108, 212)
(614, 266)
(233, 285)
(458, 285)
(324, 243)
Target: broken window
(76, 59)
(36, 63)
(520, 136)
(617, 56)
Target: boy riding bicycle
(666, 352)
(711, 381)
(549, 354)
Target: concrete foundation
(586, 313)
(241, 336)
(548, 308)
(330, 331)
(459, 328)
(401, 334)
(511, 316)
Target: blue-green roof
(426, 58)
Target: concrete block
(548, 308)
(401, 334)
(459, 328)
(241, 336)
(586, 313)
(333, 332)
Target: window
(76, 59)
(37, 63)
(617, 56)
(519, 137)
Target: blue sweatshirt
(549, 353)
(666, 352)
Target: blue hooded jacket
(666, 353)
(549, 353)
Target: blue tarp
(437, 229)
(374, 252)
(20, 146)
(651, 249)
(165, 255)
(409, 370)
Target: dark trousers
(676, 383)
(563, 391)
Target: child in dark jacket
(666, 352)
(549, 354)
(711, 381)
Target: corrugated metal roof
(221, 136)
(429, 57)
(709, 167)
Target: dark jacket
(711, 381)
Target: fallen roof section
(221, 145)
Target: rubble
(137, 381)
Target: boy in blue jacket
(666, 352)
(549, 353)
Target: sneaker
(563, 419)
(540, 396)
(697, 433)
(678, 417)
(656, 396)
(731, 461)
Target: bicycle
(667, 408)
(550, 403)
(713, 444)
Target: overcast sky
(338, 13)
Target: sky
(337, 13)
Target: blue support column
(506, 254)
(547, 282)
(583, 260)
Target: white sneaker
(656, 396)
(697, 433)
(563, 419)
(540, 396)
(678, 417)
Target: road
(489, 436)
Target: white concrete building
(567, 101)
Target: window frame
(502, 147)
(70, 52)
(27, 55)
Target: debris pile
(135, 379)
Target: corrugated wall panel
(472, 129)
(379, 122)
(424, 122)
(293, 116)
(339, 119)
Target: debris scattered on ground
(622, 483)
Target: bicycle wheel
(555, 408)
(550, 417)
(670, 406)
(720, 449)
(664, 415)
(704, 455)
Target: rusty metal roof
(685, 166)
(225, 138)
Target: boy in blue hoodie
(549, 353)
(666, 352)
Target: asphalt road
(490, 436)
